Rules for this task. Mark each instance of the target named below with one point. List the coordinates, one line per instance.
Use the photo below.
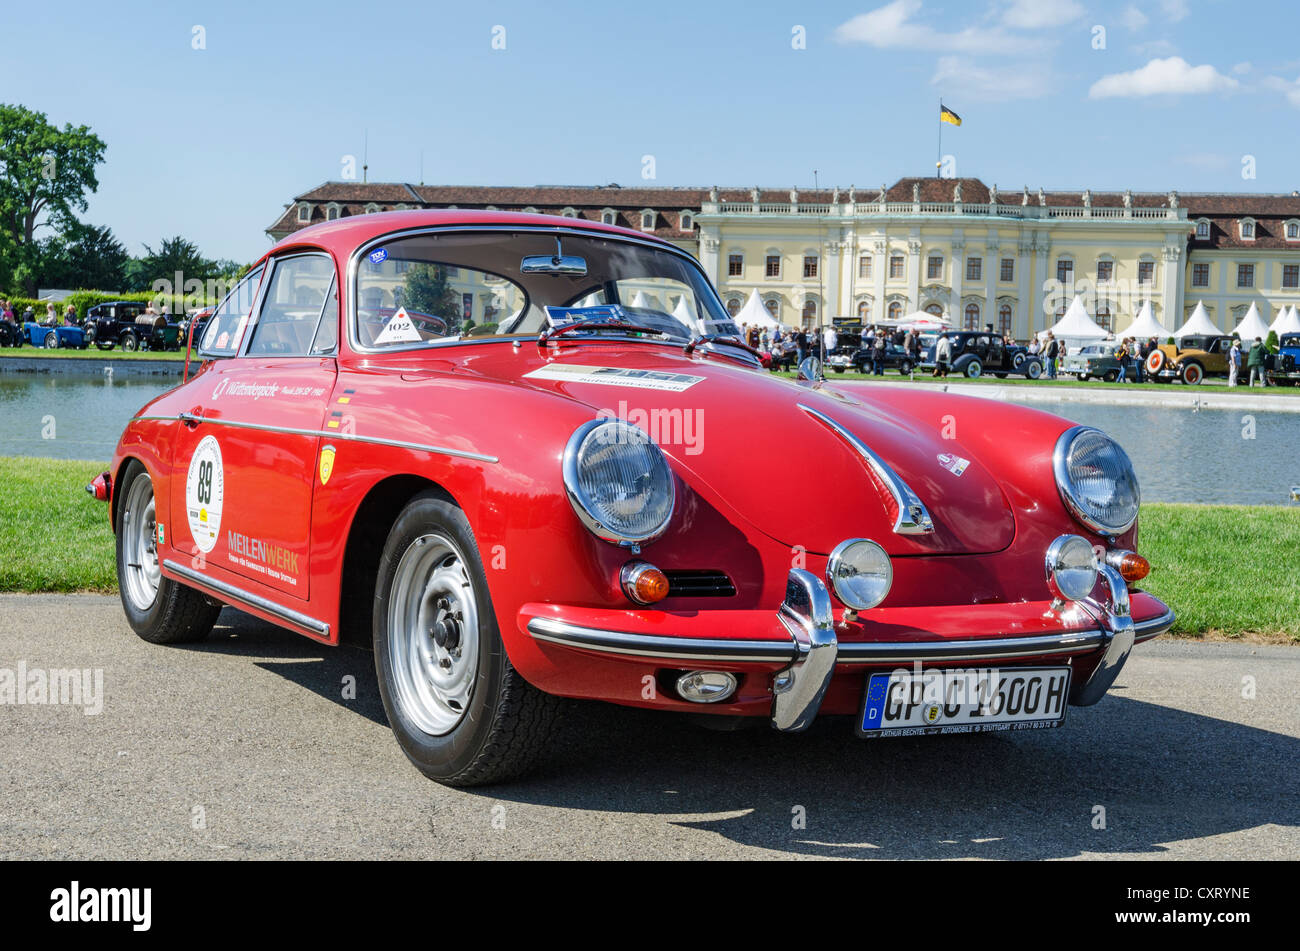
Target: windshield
(434, 288)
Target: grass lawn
(1227, 570)
(91, 353)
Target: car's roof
(343, 235)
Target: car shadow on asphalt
(1125, 776)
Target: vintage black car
(11, 335)
(976, 352)
(128, 323)
(896, 358)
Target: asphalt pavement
(257, 744)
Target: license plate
(919, 702)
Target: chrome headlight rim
(1069, 492)
(585, 507)
(837, 558)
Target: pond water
(1180, 455)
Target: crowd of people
(51, 318)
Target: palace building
(982, 255)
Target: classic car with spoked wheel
(131, 325)
(1285, 367)
(1190, 360)
(53, 336)
(976, 352)
(585, 501)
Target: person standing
(801, 345)
(878, 354)
(830, 339)
(1255, 362)
(1123, 358)
(1234, 362)
(942, 356)
(1053, 348)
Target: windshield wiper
(596, 323)
(731, 340)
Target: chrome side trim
(332, 434)
(913, 519)
(1153, 627)
(683, 649)
(229, 592)
(798, 690)
(1119, 631)
(1071, 642)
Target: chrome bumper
(813, 651)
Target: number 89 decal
(204, 490)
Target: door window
(295, 299)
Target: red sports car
(527, 458)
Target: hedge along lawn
(1224, 569)
(93, 353)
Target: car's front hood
(759, 443)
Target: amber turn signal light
(1130, 565)
(643, 583)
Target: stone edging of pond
(92, 366)
(1184, 397)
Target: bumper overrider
(806, 651)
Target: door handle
(191, 419)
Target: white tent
(918, 320)
(1146, 326)
(645, 301)
(1288, 325)
(1283, 315)
(755, 314)
(683, 312)
(1252, 325)
(1075, 325)
(1199, 323)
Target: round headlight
(618, 482)
(1096, 480)
(860, 572)
(1071, 568)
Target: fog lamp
(706, 686)
(1071, 568)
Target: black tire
(905, 368)
(177, 614)
(1110, 376)
(130, 342)
(102, 345)
(506, 722)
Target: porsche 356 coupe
(517, 455)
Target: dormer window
(304, 212)
(648, 219)
(1247, 229)
(332, 211)
(371, 208)
(530, 210)
(1293, 230)
(608, 216)
(686, 221)
(569, 213)
(1203, 229)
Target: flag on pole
(947, 115)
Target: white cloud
(1037, 14)
(1241, 69)
(1174, 10)
(1163, 77)
(893, 26)
(992, 83)
(1132, 18)
(1289, 89)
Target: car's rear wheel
(160, 610)
(1084, 377)
(89, 330)
(51, 341)
(905, 367)
(1192, 373)
(460, 711)
(1033, 369)
(130, 342)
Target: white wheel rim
(140, 574)
(433, 641)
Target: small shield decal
(326, 464)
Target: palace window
(974, 269)
(304, 212)
(1293, 230)
(1146, 272)
(809, 312)
(647, 220)
(1004, 320)
(1203, 229)
(773, 265)
(1105, 271)
(1247, 229)
(1291, 275)
(1245, 275)
(687, 221)
(608, 216)
(809, 265)
(733, 306)
(773, 307)
(1065, 271)
(934, 268)
(332, 212)
(864, 310)
(895, 266)
(372, 208)
(1200, 275)
(735, 265)
(895, 310)
(569, 213)
(1008, 269)
(972, 318)
(864, 266)
(1103, 317)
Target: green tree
(175, 256)
(83, 256)
(45, 175)
(428, 292)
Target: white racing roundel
(204, 491)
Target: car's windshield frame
(362, 250)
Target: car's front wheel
(160, 610)
(130, 342)
(973, 369)
(51, 341)
(460, 711)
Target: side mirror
(810, 369)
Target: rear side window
(226, 327)
(297, 295)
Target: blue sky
(210, 143)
